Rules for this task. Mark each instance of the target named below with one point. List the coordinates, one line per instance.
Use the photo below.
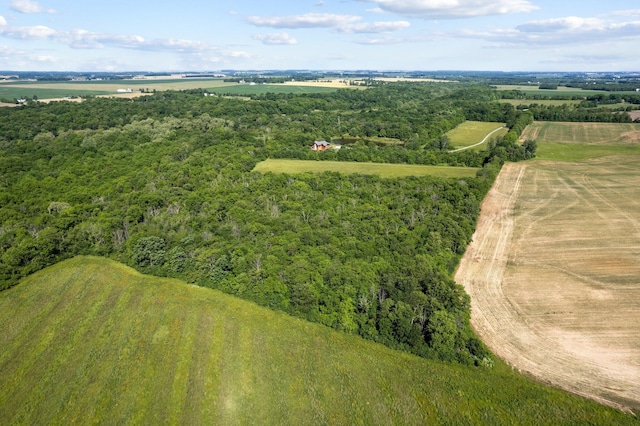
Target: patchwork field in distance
(92, 341)
(554, 264)
(384, 170)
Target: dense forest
(165, 184)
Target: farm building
(320, 145)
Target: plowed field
(554, 275)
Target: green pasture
(384, 170)
(9, 93)
(580, 141)
(91, 341)
(473, 132)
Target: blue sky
(196, 35)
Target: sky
(384, 35)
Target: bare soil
(554, 275)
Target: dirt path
(554, 276)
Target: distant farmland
(90, 341)
(51, 90)
(384, 170)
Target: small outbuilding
(320, 145)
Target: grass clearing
(384, 170)
(473, 132)
(92, 341)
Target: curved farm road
(554, 275)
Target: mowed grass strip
(547, 102)
(384, 170)
(92, 341)
(580, 141)
(472, 132)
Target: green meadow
(91, 341)
(384, 170)
(473, 132)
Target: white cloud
(46, 59)
(3, 21)
(385, 40)
(453, 9)
(559, 31)
(27, 33)
(308, 20)
(28, 6)
(630, 12)
(276, 39)
(568, 24)
(83, 39)
(375, 27)
(341, 23)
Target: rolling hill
(89, 340)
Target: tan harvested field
(554, 275)
(332, 83)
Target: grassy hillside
(92, 341)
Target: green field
(9, 93)
(383, 170)
(579, 141)
(53, 90)
(473, 132)
(92, 341)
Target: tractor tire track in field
(553, 274)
